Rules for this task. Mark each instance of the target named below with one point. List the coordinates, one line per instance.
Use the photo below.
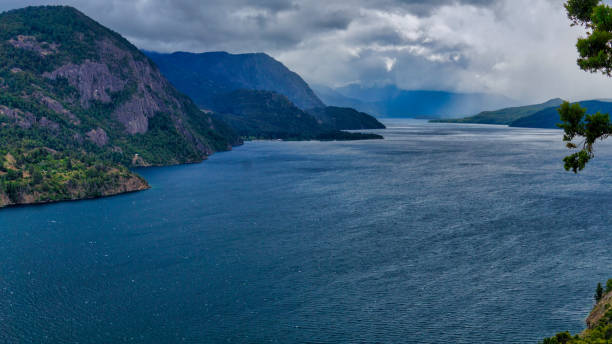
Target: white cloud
(389, 63)
(520, 48)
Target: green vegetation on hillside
(32, 172)
(550, 118)
(595, 52)
(269, 115)
(79, 105)
(599, 322)
(342, 118)
(503, 116)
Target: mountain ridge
(549, 118)
(212, 78)
(206, 75)
(505, 115)
(259, 114)
(80, 105)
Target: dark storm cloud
(522, 48)
(265, 23)
(426, 7)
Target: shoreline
(146, 186)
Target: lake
(441, 233)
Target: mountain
(504, 116)
(549, 118)
(269, 115)
(210, 79)
(391, 101)
(79, 105)
(342, 118)
(334, 98)
(207, 75)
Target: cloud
(520, 48)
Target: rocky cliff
(79, 105)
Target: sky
(524, 49)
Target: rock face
(93, 80)
(98, 136)
(599, 310)
(87, 94)
(208, 75)
(31, 43)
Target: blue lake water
(441, 233)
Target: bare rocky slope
(79, 105)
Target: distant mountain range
(391, 101)
(549, 117)
(259, 97)
(207, 75)
(505, 116)
(544, 115)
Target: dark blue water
(438, 234)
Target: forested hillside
(269, 115)
(79, 105)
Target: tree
(598, 292)
(609, 285)
(595, 52)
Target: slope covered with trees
(342, 118)
(504, 116)
(79, 105)
(209, 77)
(549, 118)
(269, 115)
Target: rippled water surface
(438, 234)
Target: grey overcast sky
(524, 49)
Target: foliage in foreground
(595, 52)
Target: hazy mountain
(79, 104)
(334, 98)
(391, 101)
(505, 116)
(549, 118)
(207, 75)
(211, 77)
